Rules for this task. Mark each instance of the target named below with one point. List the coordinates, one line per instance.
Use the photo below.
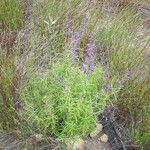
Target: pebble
(96, 131)
(38, 137)
(104, 138)
(75, 144)
(79, 145)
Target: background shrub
(11, 14)
(125, 58)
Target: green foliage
(7, 111)
(141, 134)
(63, 101)
(50, 18)
(11, 14)
(119, 41)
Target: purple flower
(21, 105)
(68, 24)
(90, 67)
(83, 25)
(90, 49)
(42, 59)
(85, 71)
(135, 69)
(77, 35)
(91, 46)
(91, 38)
(107, 88)
(78, 38)
(121, 82)
(99, 29)
(87, 60)
(139, 73)
(131, 71)
(127, 78)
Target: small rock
(99, 127)
(79, 145)
(104, 138)
(96, 131)
(75, 144)
(38, 137)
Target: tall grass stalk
(128, 64)
(7, 111)
(11, 14)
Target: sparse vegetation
(69, 62)
(11, 14)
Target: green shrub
(63, 101)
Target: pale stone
(104, 138)
(75, 144)
(96, 131)
(99, 127)
(79, 145)
(39, 137)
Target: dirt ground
(96, 144)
